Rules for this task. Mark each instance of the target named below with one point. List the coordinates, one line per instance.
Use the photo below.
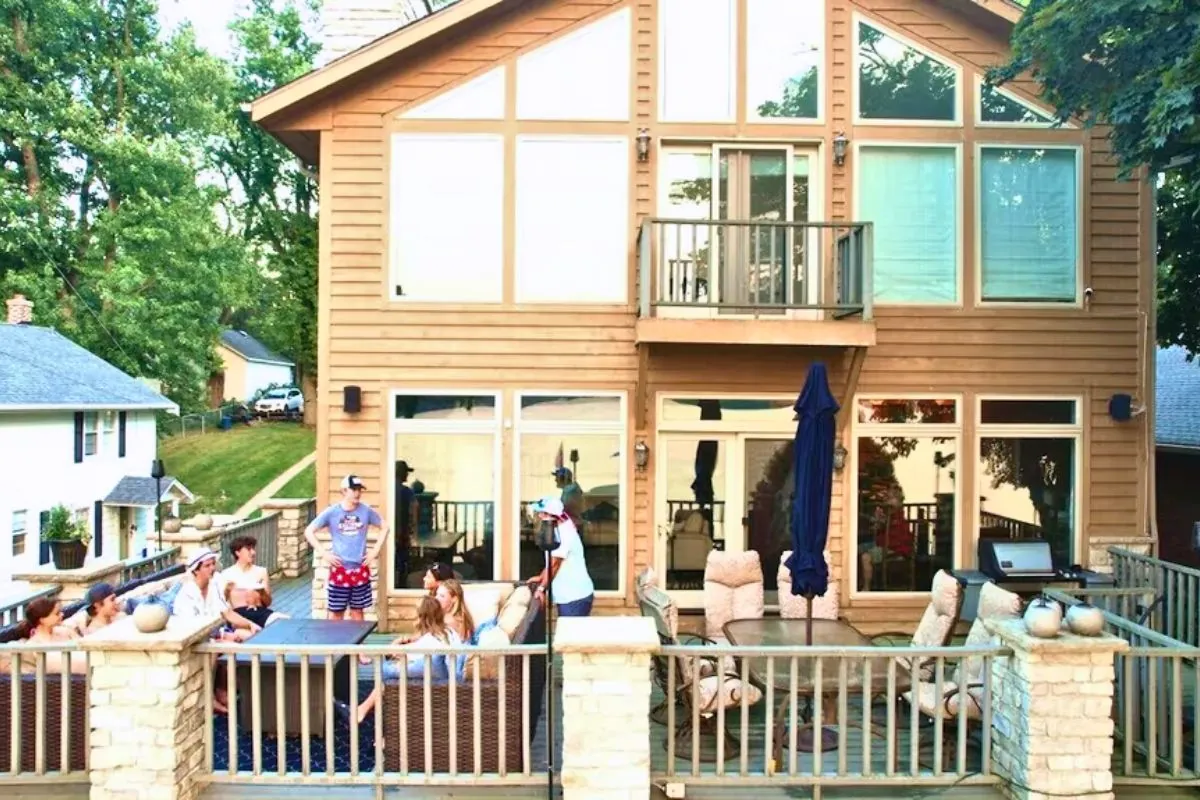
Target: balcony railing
(754, 267)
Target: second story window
(108, 434)
(91, 422)
(18, 532)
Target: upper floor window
(108, 433)
(1029, 224)
(91, 423)
(897, 81)
(19, 525)
(917, 241)
(1000, 107)
(697, 60)
(783, 69)
(446, 237)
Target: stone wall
(1100, 559)
(1052, 706)
(321, 578)
(295, 554)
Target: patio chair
(936, 626)
(932, 699)
(733, 589)
(794, 606)
(715, 687)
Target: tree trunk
(29, 163)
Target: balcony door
(745, 254)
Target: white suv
(280, 403)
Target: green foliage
(61, 526)
(1135, 67)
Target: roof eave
(168, 406)
(1182, 449)
(350, 64)
(270, 362)
(1005, 9)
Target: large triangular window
(1001, 107)
(898, 81)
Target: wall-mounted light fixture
(840, 143)
(643, 145)
(839, 457)
(641, 454)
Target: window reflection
(906, 511)
(888, 411)
(724, 409)
(783, 67)
(444, 508)
(901, 83)
(445, 407)
(998, 107)
(1028, 491)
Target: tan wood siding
(369, 341)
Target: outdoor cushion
(994, 603)
(488, 667)
(718, 691)
(484, 599)
(930, 698)
(514, 608)
(733, 589)
(794, 606)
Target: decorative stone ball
(1084, 619)
(172, 525)
(1043, 618)
(150, 617)
(202, 522)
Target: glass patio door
(721, 491)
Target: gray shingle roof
(41, 368)
(138, 490)
(1177, 399)
(252, 349)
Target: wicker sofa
(521, 621)
(77, 696)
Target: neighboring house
(567, 247)
(247, 365)
(74, 430)
(1177, 455)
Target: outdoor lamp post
(158, 472)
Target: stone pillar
(189, 541)
(295, 555)
(1052, 713)
(606, 706)
(147, 710)
(73, 583)
(320, 577)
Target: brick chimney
(347, 25)
(20, 310)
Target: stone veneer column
(606, 706)
(147, 710)
(295, 554)
(320, 576)
(1052, 713)
(189, 541)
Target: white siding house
(73, 428)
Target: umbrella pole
(808, 598)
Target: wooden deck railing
(476, 732)
(43, 714)
(1175, 609)
(13, 611)
(1156, 699)
(138, 568)
(881, 740)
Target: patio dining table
(774, 674)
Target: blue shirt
(348, 531)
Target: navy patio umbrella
(813, 490)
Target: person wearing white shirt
(203, 596)
(571, 585)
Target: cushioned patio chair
(733, 589)
(794, 606)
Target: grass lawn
(303, 485)
(224, 469)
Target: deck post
(606, 706)
(146, 711)
(294, 553)
(1052, 714)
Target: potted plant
(68, 538)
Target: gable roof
(430, 24)
(42, 370)
(139, 491)
(1177, 399)
(252, 349)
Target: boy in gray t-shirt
(348, 522)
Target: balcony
(755, 282)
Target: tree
(110, 225)
(273, 196)
(1136, 68)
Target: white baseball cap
(353, 482)
(201, 557)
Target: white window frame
(824, 68)
(1033, 431)
(1016, 98)
(620, 428)
(446, 427)
(914, 430)
(108, 434)
(1080, 196)
(20, 531)
(735, 56)
(855, 77)
(91, 427)
(960, 196)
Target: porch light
(641, 454)
(839, 148)
(839, 457)
(643, 145)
